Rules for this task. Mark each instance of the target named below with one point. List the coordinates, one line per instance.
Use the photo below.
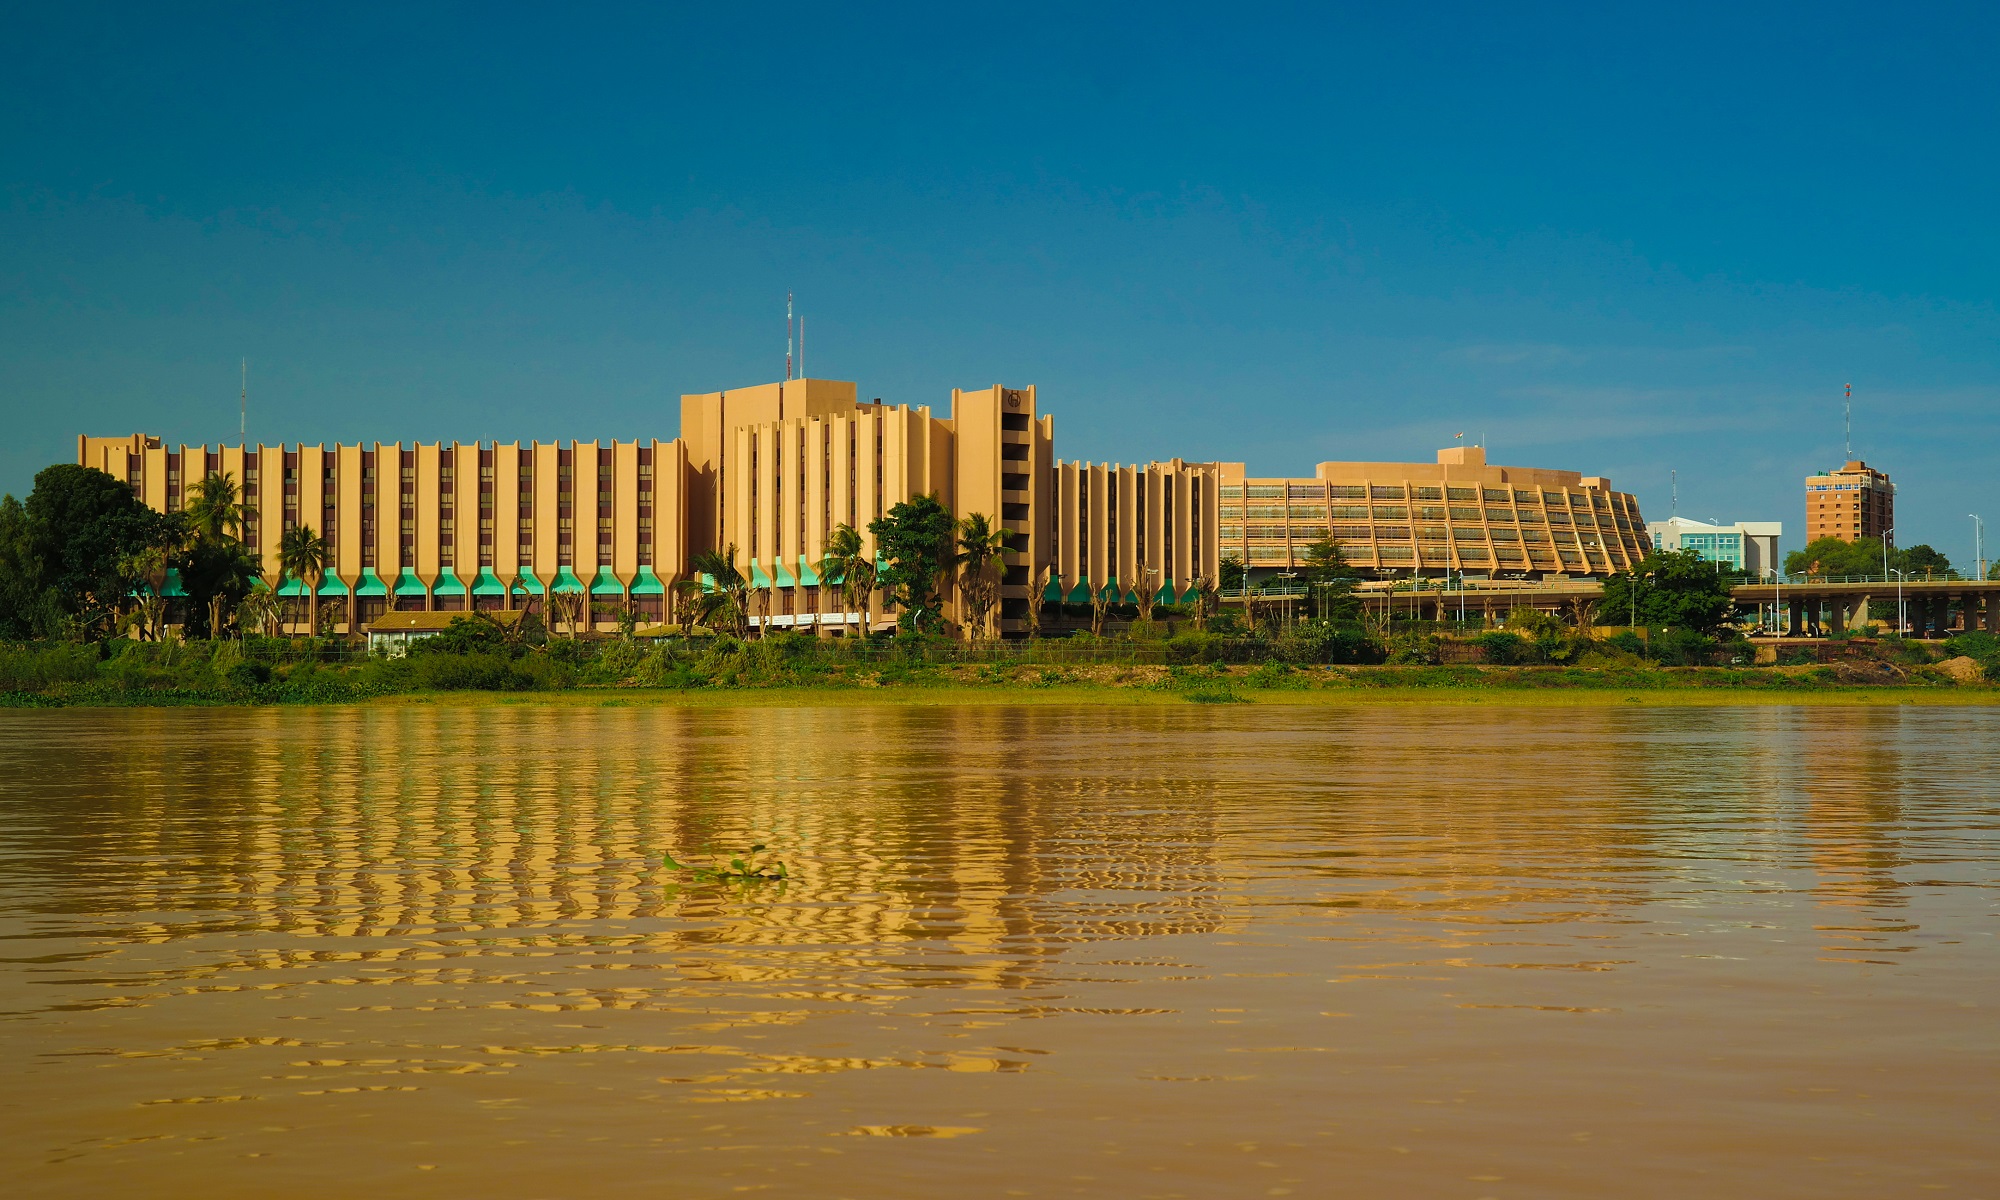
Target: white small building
(1747, 546)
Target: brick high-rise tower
(1853, 502)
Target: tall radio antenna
(1847, 421)
(788, 335)
(1674, 478)
(243, 406)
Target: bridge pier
(1836, 614)
(1992, 614)
(1798, 622)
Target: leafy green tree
(1330, 581)
(216, 573)
(918, 539)
(1671, 588)
(1831, 556)
(1919, 559)
(88, 532)
(1233, 573)
(28, 607)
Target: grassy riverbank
(796, 670)
(1268, 683)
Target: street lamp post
(1978, 543)
(1887, 536)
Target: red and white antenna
(788, 335)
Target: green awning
(370, 584)
(407, 584)
(757, 577)
(1053, 593)
(294, 586)
(648, 584)
(781, 576)
(606, 584)
(1112, 592)
(171, 586)
(566, 581)
(707, 581)
(1165, 595)
(807, 576)
(1080, 594)
(332, 586)
(448, 584)
(1192, 595)
(525, 584)
(486, 583)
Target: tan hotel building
(773, 469)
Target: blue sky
(1619, 242)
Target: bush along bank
(1202, 667)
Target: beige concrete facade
(1458, 514)
(771, 470)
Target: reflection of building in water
(1851, 767)
(901, 826)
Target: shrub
(35, 667)
(1325, 642)
(1504, 649)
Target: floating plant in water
(743, 866)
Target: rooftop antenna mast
(243, 407)
(1847, 422)
(788, 335)
(1674, 478)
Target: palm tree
(214, 509)
(1205, 601)
(1147, 593)
(302, 551)
(686, 599)
(567, 608)
(260, 609)
(731, 596)
(1035, 594)
(981, 545)
(847, 558)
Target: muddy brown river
(1202, 951)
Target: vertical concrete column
(1941, 613)
(1992, 613)
(1797, 626)
(1837, 614)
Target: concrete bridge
(1928, 607)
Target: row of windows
(1415, 492)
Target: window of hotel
(1267, 492)
(1500, 494)
(1230, 492)
(1348, 491)
(1379, 492)
(1268, 512)
(1349, 512)
(1309, 512)
(1521, 497)
(1353, 533)
(1306, 491)
(1230, 512)
(1461, 493)
(1391, 512)
(1427, 493)
(1465, 514)
(1499, 514)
